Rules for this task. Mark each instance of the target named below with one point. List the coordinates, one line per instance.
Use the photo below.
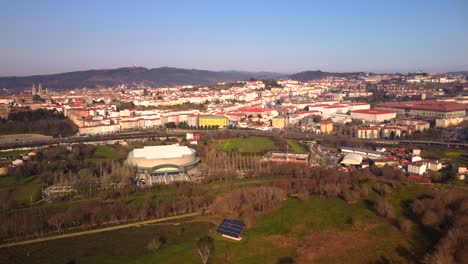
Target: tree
(154, 244)
(384, 208)
(170, 125)
(205, 248)
(316, 118)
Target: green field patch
(107, 152)
(244, 144)
(13, 154)
(295, 146)
(28, 192)
(120, 246)
(316, 230)
(458, 156)
(23, 191)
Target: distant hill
(315, 75)
(157, 77)
(465, 73)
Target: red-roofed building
(373, 115)
(435, 109)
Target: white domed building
(352, 159)
(162, 164)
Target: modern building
(372, 154)
(373, 115)
(426, 109)
(419, 125)
(447, 122)
(326, 127)
(278, 122)
(352, 159)
(162, 164)
(213, 120)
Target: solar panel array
(232, 228)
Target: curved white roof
(352, 159)
(161, 152)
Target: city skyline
(53, 37)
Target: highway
(150, 133)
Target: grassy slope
(317, 226)
(105, 152)
(300, 220)
(21, 191)
(295, 146)
(459, 156)
(122, 246)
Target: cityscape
(301, 161)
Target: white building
(373, 115)
(417, 168)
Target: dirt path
(94, 231)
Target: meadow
(317, 229)
(244, 144)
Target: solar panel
(232, 228)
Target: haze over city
(44, 37)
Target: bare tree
(205, 248)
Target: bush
(384, 208)
(286, 260)
(405, 225)
(154, 244)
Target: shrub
(154, 244)
(405, 225)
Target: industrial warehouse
(162, 164)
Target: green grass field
(13, 154)
(121, 246)
(23, 192)
(105, 152)
(317, 230)
(459, 156)
(295, 146)
(244, 144)
(320, 230)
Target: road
(100, 230)
(329, 158)
(150, 133)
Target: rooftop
(161, 152)
(373, 112)
(427, 105)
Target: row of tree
(445, 215)
(41, 121)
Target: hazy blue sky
(41, 36)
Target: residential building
(427, 109)
(373, 115)
(278, 122)
(417, 167)
(213, 120)
(326, 127)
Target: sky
(43, 37)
